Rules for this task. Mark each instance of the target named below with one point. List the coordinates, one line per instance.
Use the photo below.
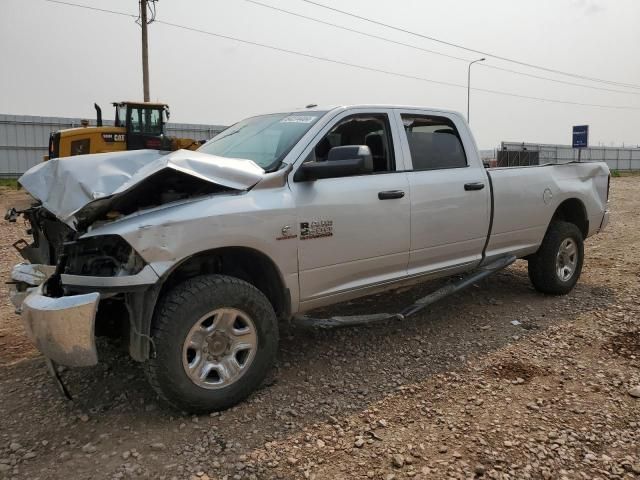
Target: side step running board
(418, 305)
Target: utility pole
(145, 49)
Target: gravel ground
(456, 392)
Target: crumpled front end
(70, 279)
(81, 189)
(77, 265)
(62, 328)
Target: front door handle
(391, 194)
(474, 186)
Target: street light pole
(469, 85)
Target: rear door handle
(391, 194)
(474, 186)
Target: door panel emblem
(286, 233)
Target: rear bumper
(62, 328)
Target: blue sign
(580, 136)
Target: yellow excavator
(137, 125)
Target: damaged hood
(85, 186)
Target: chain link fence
(520, 154)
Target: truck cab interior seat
(376, 145)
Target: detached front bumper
(62, 328)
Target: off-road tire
(178, 311)
(542, 265)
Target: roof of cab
(150, 104)
(328, 108)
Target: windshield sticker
(298, 119)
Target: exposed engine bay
(108, 255)
(77, 195)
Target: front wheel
(556, 267)
(215, 339)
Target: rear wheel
(215, 340)
(557, 265)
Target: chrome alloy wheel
(566, 259)
(219, 348)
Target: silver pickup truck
(193, 257)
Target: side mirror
(341, 162)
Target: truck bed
(525, 199)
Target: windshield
(145, 120)
(265, 139)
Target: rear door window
(434, 142)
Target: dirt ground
(456, 392)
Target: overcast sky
(58, 60)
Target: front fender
(256, 219)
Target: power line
(415, 47)
(387, 72)
(360, 67)
(555, 80)
(353, 30)
(151, 12)
(479, 52)
(87, 7)
(151, 4)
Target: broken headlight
(102, 256)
